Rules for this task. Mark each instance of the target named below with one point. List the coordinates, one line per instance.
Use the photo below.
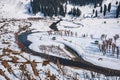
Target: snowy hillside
(23, 8)
(13, 8)
(35, 46)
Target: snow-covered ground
(13, 8)
(77, 28)
(83, 46)
(15, 64)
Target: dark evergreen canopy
(57, 7)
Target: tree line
(49, 7)
(107, 8)
(75, 12)
(58, 7)
(85, 2)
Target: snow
(82, 25)
(13, 8)
(41, 25)
(35, 46)
(83, 45)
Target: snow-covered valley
(95, 40)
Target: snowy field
(83, 45)
(79, 34)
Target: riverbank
(81, 64)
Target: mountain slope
(13, 8)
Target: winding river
(80, 63)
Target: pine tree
(35, 6)
(65, 7)
(105, 9)
(96, 13)
(78, 13)
(93, 11)
(61, 11)
(101, 3)
(95, 5)
(109, 7)
(45, 11)
(74, 11)
(101, 9)
(118, 11)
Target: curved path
(22, 38)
